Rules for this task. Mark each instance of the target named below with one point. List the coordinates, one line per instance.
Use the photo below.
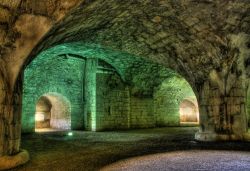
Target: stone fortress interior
(124, 93)
(91, 78)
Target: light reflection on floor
(213, 160)
(89, 151)
(49, 130)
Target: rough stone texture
(205, 41)
(248, 107)
(142, 112)
(10, 122)
(90, 94)
(60, 111)
(122, 101)
(167, 100)
(43, 113)
(185, 160)
(9, 162)
(18, 20)
(189, 111)
(63, 76)
(164, 31)
(138, 72)
(118, 107)
(90, 151)
(113, 102)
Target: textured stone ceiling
(139, 73)
(193, 37)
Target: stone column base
(8, 162)
(205, 136)
(211, 136)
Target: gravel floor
(186, 161)
(56, 151)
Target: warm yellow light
(39, 116)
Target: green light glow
(70, 133)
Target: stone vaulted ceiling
(193, 37)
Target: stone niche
(53, 111)
(189, 111)
(43, 113)
(168, 102)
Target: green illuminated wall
(113, 102)
(53, 75)
(167, 99)
(129, 92)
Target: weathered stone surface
(9, 162)
(207, 42)
(61, 75)
(115, 106)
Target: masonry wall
(167, 99)
(248, 111)
(248, 107)
(59, 75)
(112, 101)
(142, 112)
(119, 104)
(118, 109)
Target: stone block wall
(117, 108)
(59, 75)
(142, 112)
(113, 108)
(115, 103)
(167, 99)
(248, 107)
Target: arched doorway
(43, 113)
(52, 112)
(189, 113)
(173, 97)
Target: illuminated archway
(43, 113)
(169, 97)
(53, 111)
(189, 113)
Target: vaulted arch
(208, 47)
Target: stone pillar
(222, 106)
(10, 124)
(3, 123)
(10, 117)
(90, 94)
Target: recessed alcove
(53, 113)
(189, 112)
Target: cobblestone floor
(57, 151)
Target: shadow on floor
(84, 150)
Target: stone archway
(53, 111)
(206, 56)
(189, 112)
(168, 98)
(43, 113)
